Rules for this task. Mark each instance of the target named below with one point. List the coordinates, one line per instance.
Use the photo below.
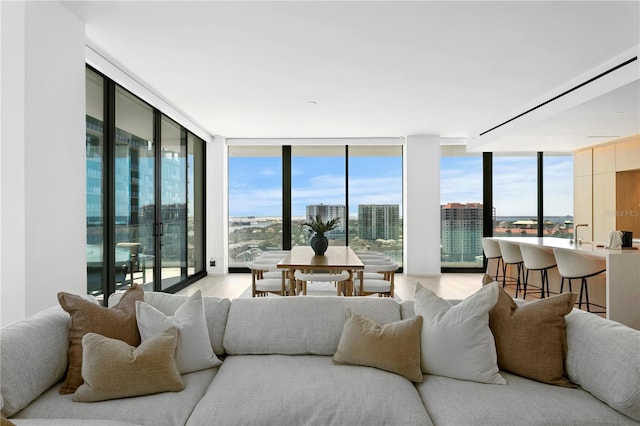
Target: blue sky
(514, 184)
(255, 183)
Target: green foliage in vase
(318, 226)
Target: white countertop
(587, 247)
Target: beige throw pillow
(5, 422)
(112, 369)
(531, 339)
(393, 347)
(118, 322)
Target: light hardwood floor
(448, 286)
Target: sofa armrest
(604, 358)
(34, 357)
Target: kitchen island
(622, 278)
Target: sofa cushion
(216, 311)
(33, 355)
(112, 369)
(531, 339)
(118, 322)
(193, 351)
(406, 309)
(297, 325)
(456, 340)
(306, 390)
(604, 358)
(393, 347)
(162, 409)
(522, 401)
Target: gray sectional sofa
(278, 370)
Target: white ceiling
(384, 69)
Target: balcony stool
(573, 265)
(491, 250)
(537, 259)
(511, 255)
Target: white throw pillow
(456, 341)
(193, 352)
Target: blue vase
(319, 244)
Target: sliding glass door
(134, 191)
(145, 194)
(95, 158)
(195, 205)
(173, 229)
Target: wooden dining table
(336, 259)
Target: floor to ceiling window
(255, 202)
(557, 173)
(498, 194)
(274, 189)
(318, 187)
(375, 199)
(515, 195)
(145, 199)
(461, 207)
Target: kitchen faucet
(575, 233)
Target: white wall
(216, 211)
(12, 176)
(43, 157)
(422, 205)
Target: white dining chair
(378, 278)
(303, 277)
(260, 285)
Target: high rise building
(461, 232)
(328, 212)
(379, 221)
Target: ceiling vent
(566, 92)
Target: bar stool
(511, 255)
(491, 250)
(573, 265)
(537, 259)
